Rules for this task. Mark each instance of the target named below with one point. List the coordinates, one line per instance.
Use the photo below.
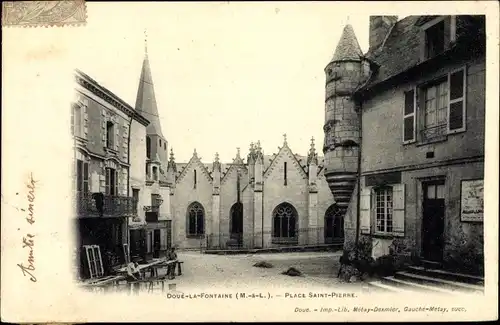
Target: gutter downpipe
(358, 194)
(358, 95)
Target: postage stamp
(44, 13)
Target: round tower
(346, 71)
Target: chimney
(380, 26)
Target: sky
(225, 75)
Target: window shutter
(116, 128)
(116, 182)
(365, 210)
(85, 177)
(98, 261)
(90, 260)
(108, 181)
(148, 242)
(457, 101)
(72, 119)
(398, 210)
(409, 120)
(79, 175)
(103, 126)
(85, 126)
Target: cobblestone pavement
(236, 272)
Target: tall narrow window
(110, 135)
(148, 147)
(155, 173)
(434, 40)
(284, 172)
(135, 197)
(111, 181)
(435, 107)
(78, 120)
(194, 178)
(196, 219)
(160, 142)
(284, 222)
(383, 201)
(82, 176)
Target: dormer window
(434, 40)
(437, 33)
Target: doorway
(236, 228)
(433, 221)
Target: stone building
(106, 133)
(267, 200)
(404, 137)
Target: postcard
(249, 161)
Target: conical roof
(348, 47)
(146, 100)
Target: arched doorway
(334, 225)
(285, 219)
(236, 222)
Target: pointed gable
(285, 152)
(146, 100)
(348, 47)
(193, 163)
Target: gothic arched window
(196, 219)
(334, 224)
(285, 222)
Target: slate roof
(146, 100)
(348, 46)
(399, 52)
(401, 49)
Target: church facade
(256, 200)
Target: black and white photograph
(311, 159)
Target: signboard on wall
(472, 200)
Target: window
(111, 181)
(135, 197)
(383, 212)
(196, 218)
(284, 172)
(110, 136)
(165, 146)
(438, 108)
(160, 142)
(148, 147)
(155, 173)
(435, 40)
(155, 201)
(334, 224)
(194, 178)
(434, 110)
(78, 125)
(82, 176)
(284, 222)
